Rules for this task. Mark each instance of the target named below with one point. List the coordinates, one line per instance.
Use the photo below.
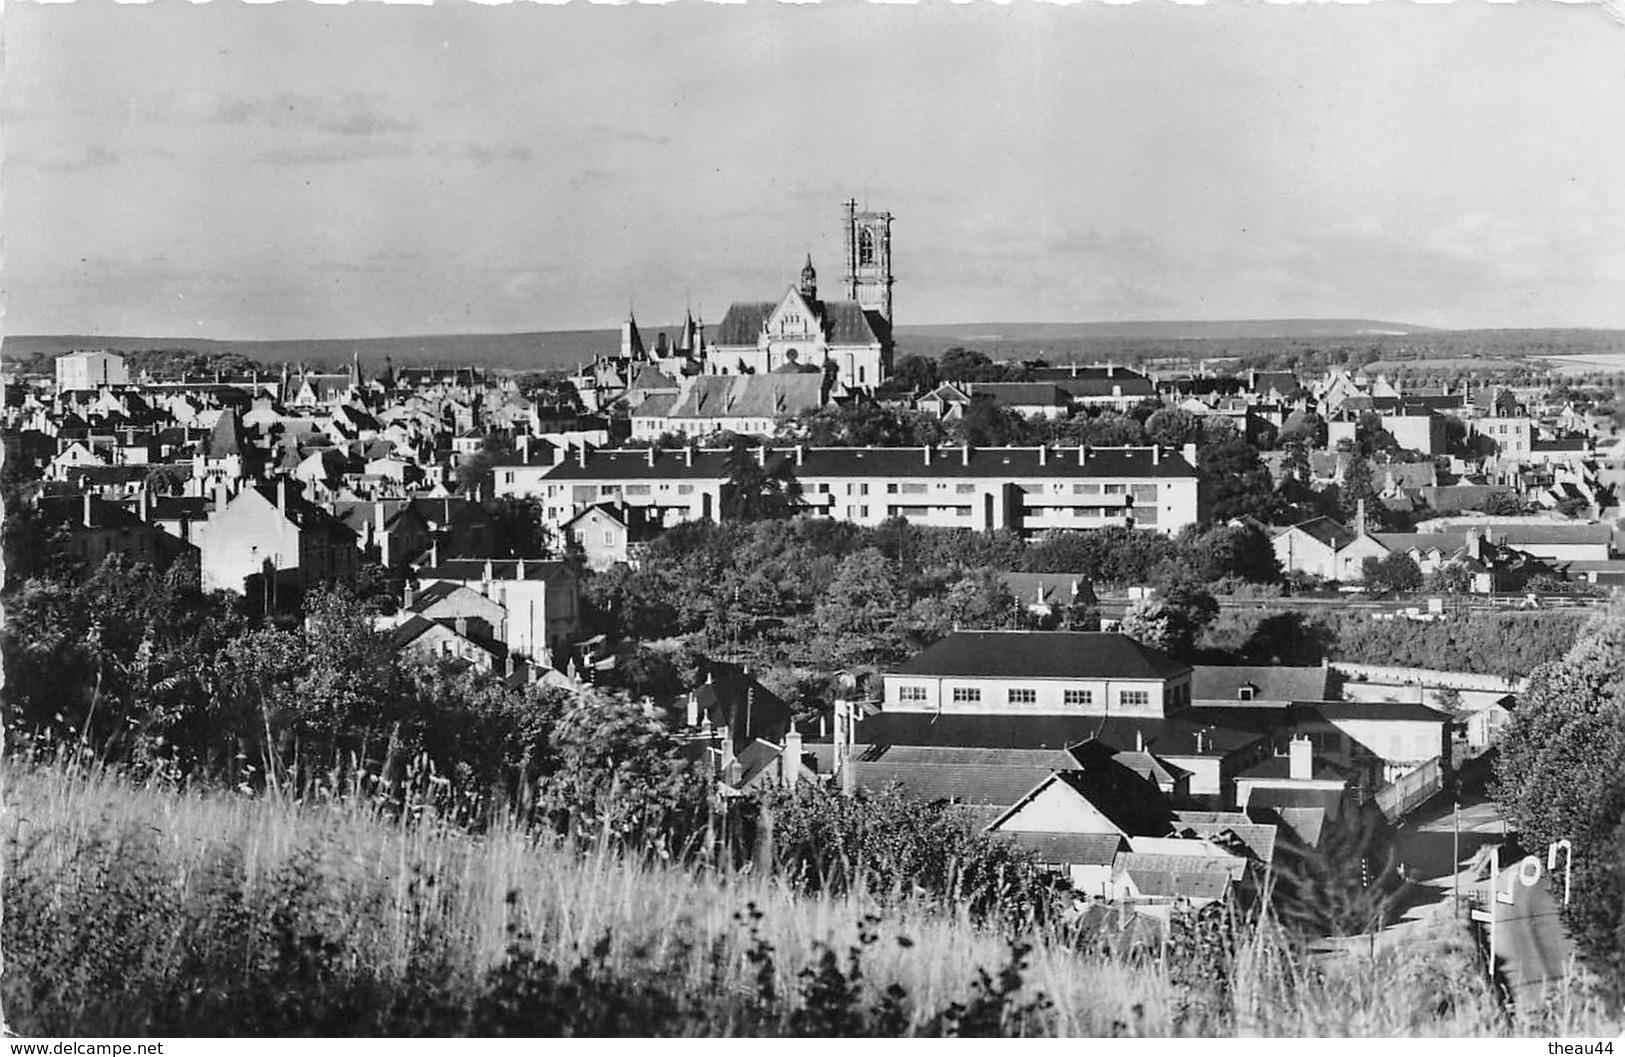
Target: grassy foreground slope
(140, 911)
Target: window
(911, 693)
(962, 511)
(891, 489)
(1135, 698)
(866, 246)
(967, 695)
(1144, 491)
(1022, 695)
(1078, 698)
(964, 489)
(609, 538)
(507, 477)
(1116, 489)
(1086, 489)
(1146, 515)
(685, 489)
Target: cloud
(59, 158)
(357, 114)
(483, 155)
(332, 152)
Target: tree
(1173, 618)
(1452, 579)
(1237, 479)
(916, 373)
(1560, 774)
(985, 423)
(619, 776)
(1395, 573)
(1173, 427)
(856, 618)
(520, 527)
(754, 491)
(1239, 551)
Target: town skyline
(472, 170)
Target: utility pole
(1455, 855)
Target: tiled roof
(1043, 655)
(1165, 737)
(1412, 711)
(1223, 683)
(1025, 394)
(1071, 849)
(1005, 463)
(1153, 880)
(745, 396)
(1282, 797)
(742, 325)
(467, 570)
(1048, 588)
(1256, 838)
(992, 786)
(1281, 767)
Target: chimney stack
(282, 495)
(790, 759)
(1043, 455)
(964, 454)
(581, 454)
(86, 516)
(1359, 517)
(1189, 451)
(1300, 764)
(693, 716)
(928, 455)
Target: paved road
(1532, 949)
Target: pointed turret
(631, 340)
(809, 280)
(227, 437)
(686, 340)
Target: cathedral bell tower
(868, 259)
(809, 280)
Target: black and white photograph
(812, 520)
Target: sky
(297, 170)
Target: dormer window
(1246, 692)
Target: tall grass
(132, 910)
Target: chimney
(1359, 517)
(1301, 759)
(461, 624)
(487, 574)
(1111, 370)
(142, 506)
(928, 455)
(519, 570)
(1473, 544)
(1189, 451)
(1043, 455)
(86, 517)
(790, 759)
(693, 710)
(524, 448)
(282, 495)
(801, 453)
(964, 454)
(408, 596)
(688, 455)
(761, 454)
(1139, 740)
(434, 554)
(650, 456)
(581, 455)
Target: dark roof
(1165, 737)
(742, 325)
(1381, 710)
(1279, 797)
(1006, 463)
(1072, 849)
(468, 570)
(1046, 394)
(1043, 655)
(1049, 588)
(994, 786)
(1257, 839)
(1281, 767)
(1325, 530)
(1220, 683)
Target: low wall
(1427, 677)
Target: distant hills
(1168, 330)
(555, 349)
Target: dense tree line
(1560, 775)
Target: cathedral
(848, 339)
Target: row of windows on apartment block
(1025, 695)
(586, 493)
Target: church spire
(631, 339)
(809, 280)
